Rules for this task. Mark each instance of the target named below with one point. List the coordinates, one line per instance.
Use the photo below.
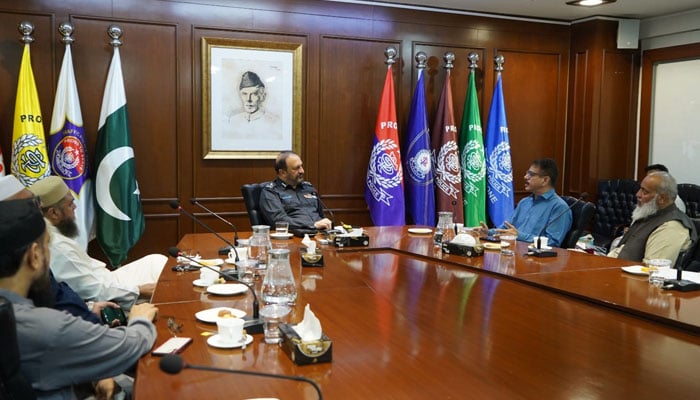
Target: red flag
(448, 176)
(384, 191)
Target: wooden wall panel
(602, 108)
(343, 72)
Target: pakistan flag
(120, 221)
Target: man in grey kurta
(58, 350)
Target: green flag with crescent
(120, 221)
(472, 159)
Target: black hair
(281, 160)
(548, 167)
(655, 167)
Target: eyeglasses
(530, 174)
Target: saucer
(213, 262)
(212, 314)
(281, 235)
(215, 341)
(201, 283)
(225, 289)
(420, 231)
(636, 270)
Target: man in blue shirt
(542, 208)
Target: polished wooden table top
(407, 322)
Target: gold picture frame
(251, 98)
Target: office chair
(13, 385)
(690, 194)
(613, 211)
(689, 260)
(251, 198)
(582, 214)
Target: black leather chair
(251, 198)
(690, 194)
(616, 201)
(582, 215)
(690, 259)
(13, 385)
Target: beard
(40, 291)
(645, 210)
(68, 228)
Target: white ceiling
(551, 9)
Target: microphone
(324, 208)
(538, 251)
(222, 219)
(173, 364)
(680, 284)
(252, 325)
(224, 250)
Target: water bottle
(259, 245)
(278, 286)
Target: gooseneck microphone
(324, 208)
(253, 324)
(176, 205)
(538, 251)
(173, 364)
(195, 202)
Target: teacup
(230, 329)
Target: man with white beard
(659, 229)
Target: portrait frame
(231, 69)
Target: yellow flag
(30, 161)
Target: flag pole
(115, 32)
(390, 54)
(26, 28)
(473, 58)
(449, 58)
(499, 60)
(66, 30)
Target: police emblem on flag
(419, 166)
(384, 171)
(474, 166)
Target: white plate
(420, 231)
(215, 341)
(636, 270)
(281, 235)
(227, 288)
(492, 246)
(212, 262)
(212, 314)
(199, 283)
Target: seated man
(659, 229)
(58, 350)
(87, 276)
(541, 210)
(290, 198)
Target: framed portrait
(251, 98)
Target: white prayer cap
(9, 186)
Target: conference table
(409, 321)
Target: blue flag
(420, 192)
(384, 191)
(499, 169)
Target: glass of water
(657, 267)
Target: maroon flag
(448, 176)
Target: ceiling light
(589, 3)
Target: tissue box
(351, 241)
(311, 260)
(303, 353)
(462, 250)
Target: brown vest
(635, 240)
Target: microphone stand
(176, 205)
(538, 251)
(223, 250)
(253, 324)
(323, 208)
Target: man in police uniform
(290, 198)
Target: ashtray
(311, 259)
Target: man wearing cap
(253, 121)
(58, 350)
(89, 277)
